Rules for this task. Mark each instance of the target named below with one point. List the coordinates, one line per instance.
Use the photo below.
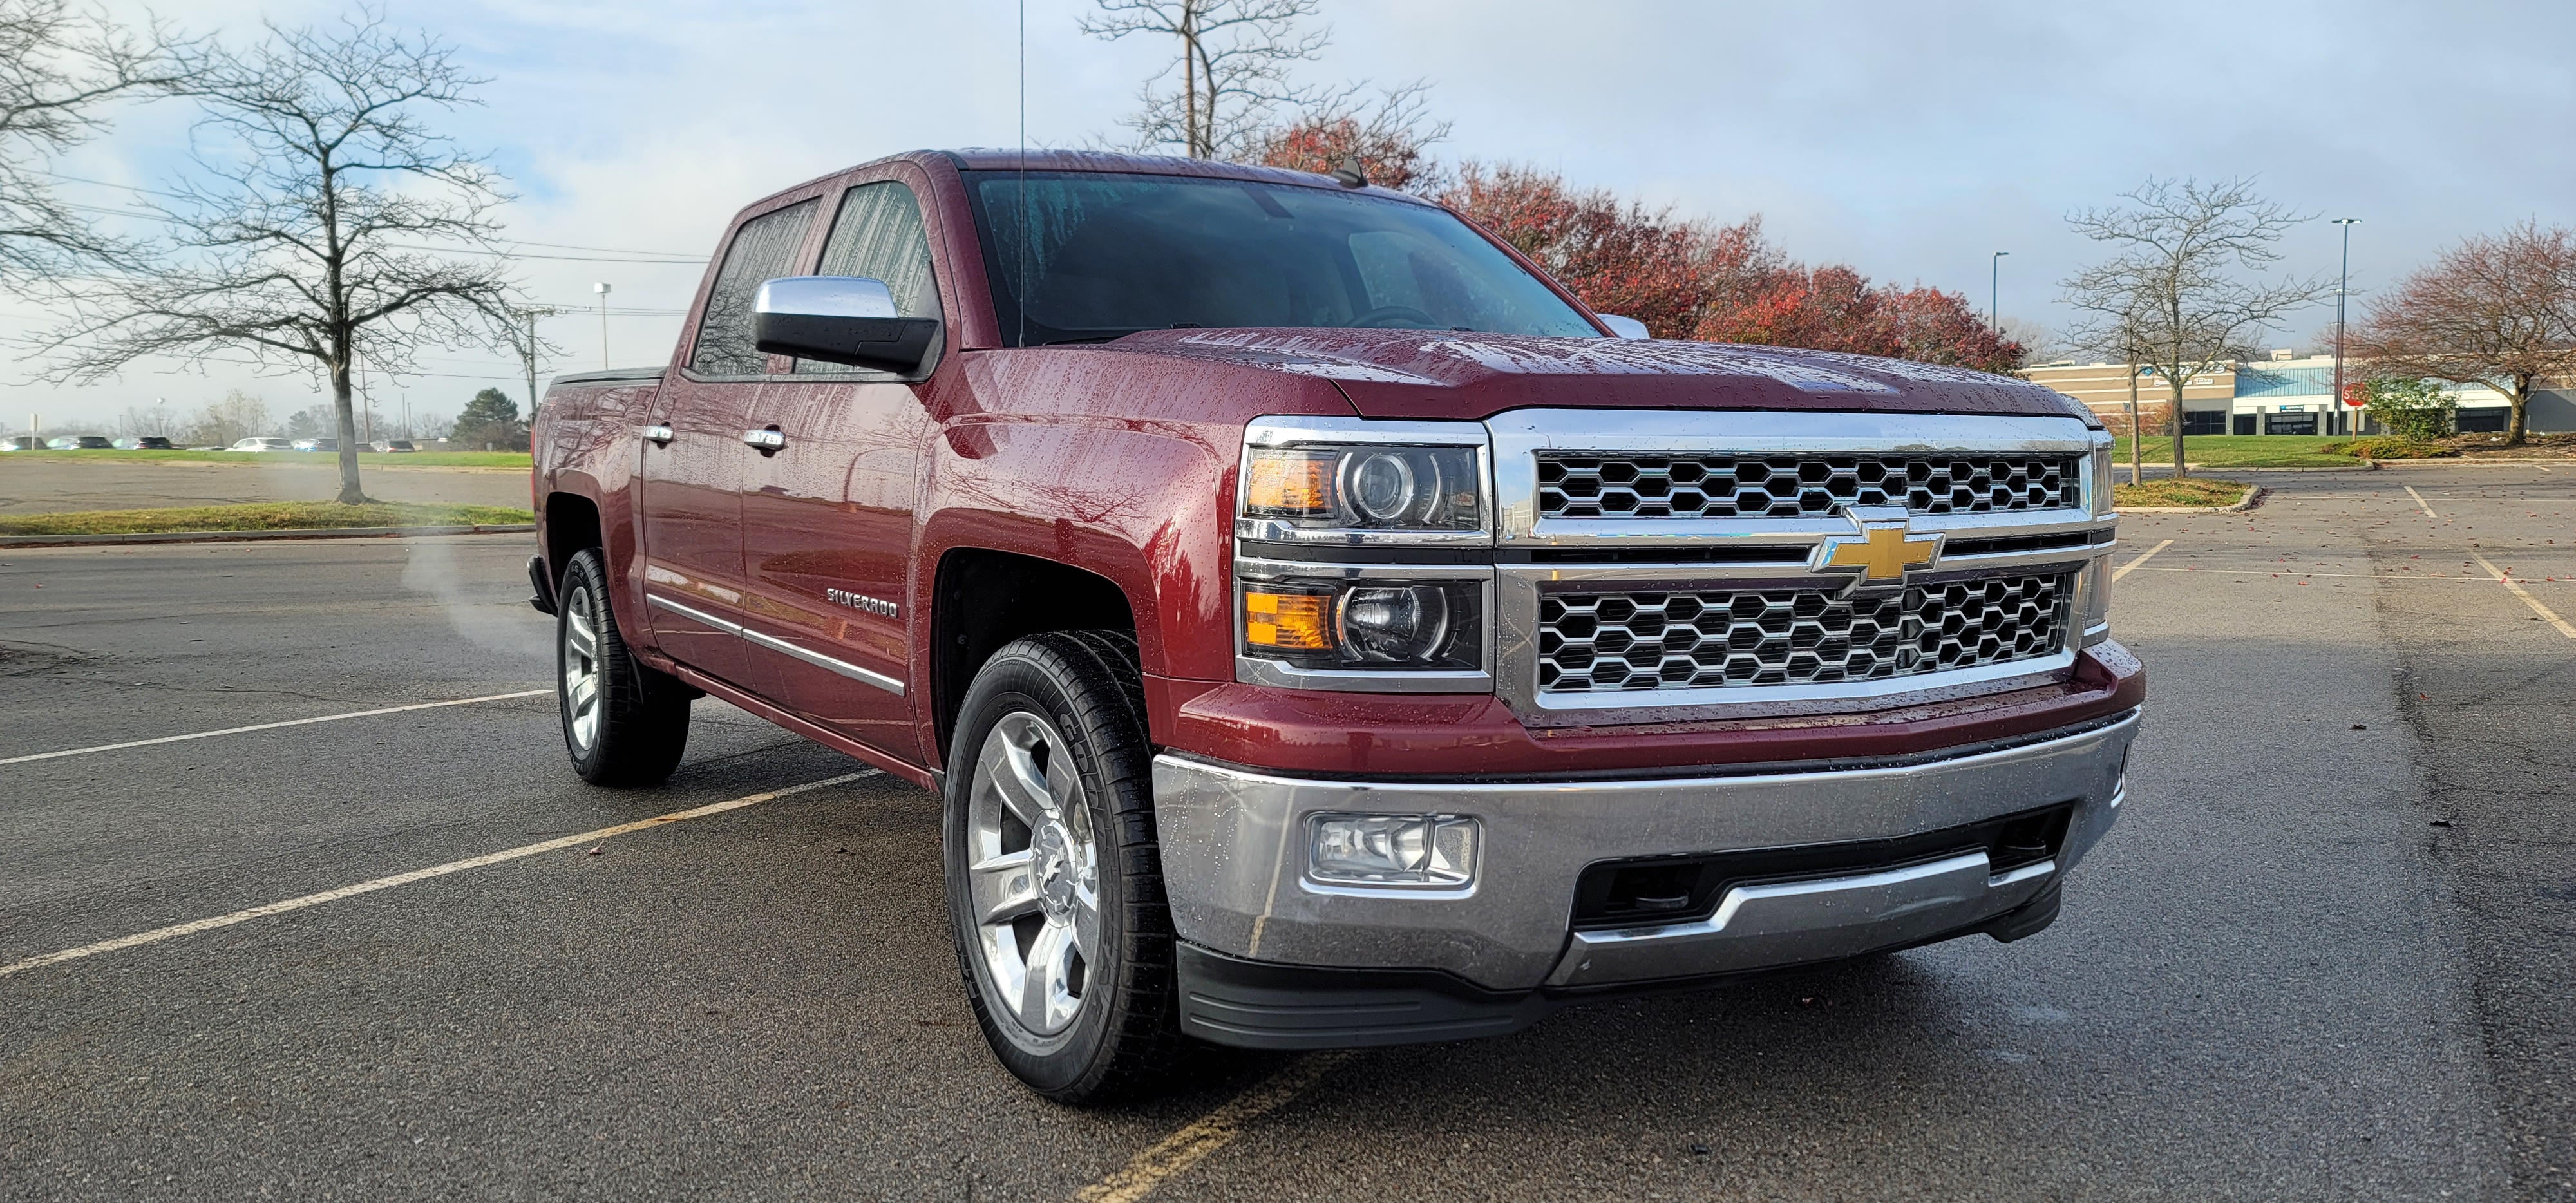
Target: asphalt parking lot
(2325, 954)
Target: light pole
(602, 290)
(1995, 290)
(2343, 285)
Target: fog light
(1399, 850)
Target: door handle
(659, 436)
(765, 440)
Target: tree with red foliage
(1390, 142)
(2495, 310)
(1618, 257)
(1834, 308)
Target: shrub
(2413, 410)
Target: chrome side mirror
(1624, 327)
(841, 319)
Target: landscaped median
(262, 516)
(2188, 493)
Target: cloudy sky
(1908, 139)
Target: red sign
(2356, 394)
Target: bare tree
(59, 70)
(2495, 310)
(2186, 285)
(1233, 62)
(301, 241)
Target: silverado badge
(1886, 548)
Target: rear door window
(763, 249)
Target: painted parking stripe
(2132, 566)
(2419, 501)
(293, 722)
(1179, 1151)
(193, 926)
(2547, 614)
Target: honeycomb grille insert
(1619, 642)
(1614, 485)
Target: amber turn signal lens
(1289, 483)
(1297, 621)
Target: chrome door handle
(659, 436)
(766, 440)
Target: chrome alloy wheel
(1033, 874)
(580, 661)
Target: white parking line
(293, 722)
(2419, 500)
(2132, 566)
(2527, 599)
(194, 926)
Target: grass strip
(411, 459)
(2242, 451)
(2190, 491)
(277, 515)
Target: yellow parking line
(293, 722)
(2419, 500)
(1185, 1148)
(2132, 566)
(2527, 599)
(194, 926)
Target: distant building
(2286, 394)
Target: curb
(252, 536)
(2483, 461)
(2253, 497)
(2152, 470)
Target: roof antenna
(1021, 307)
(1350, 174)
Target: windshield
(1108, 255)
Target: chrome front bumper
(1235, 860)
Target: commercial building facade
(2286, 394)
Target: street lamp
(602, 290)
(2343, 286)
(1994, 290)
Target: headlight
(1366, 624)
(1363, 488)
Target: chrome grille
(1703, 485)
(1627, 641)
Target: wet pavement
(2324, 954)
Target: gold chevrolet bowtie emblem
(1884, 550)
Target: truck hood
(1467, 376)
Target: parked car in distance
(256, 444)
(317, 444)
(22, 442)
(397, 446)
(79, 442)
(146, 442)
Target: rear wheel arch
(571, 524)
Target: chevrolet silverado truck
(1320, 628)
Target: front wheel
(624, 722)
(1054, 880)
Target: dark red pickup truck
(1320, 628)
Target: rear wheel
(1054, 881)
(624, 722)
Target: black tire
(637, 719)
(1078, 696)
